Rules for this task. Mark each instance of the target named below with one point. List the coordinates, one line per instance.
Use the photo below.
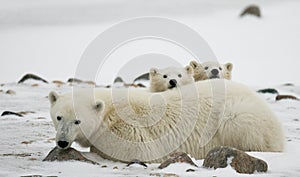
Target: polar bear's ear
(193, 64)
(189, 69)
(99, 106)
(229, 66)
(153, 71)
(53, 96)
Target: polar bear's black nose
(173, 82)
(215, 72)
(62, 144)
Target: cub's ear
(153, 71)
(229, 66)
(53, 97)
(99, 106)
(194, 64)
(189, 69)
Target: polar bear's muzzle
(67, 132)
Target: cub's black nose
(215, 72)
(62, 144)
(173, 82)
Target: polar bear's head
(72, 121)
(211, 70)
(167, 78)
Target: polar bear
(211, 70)
(168, 78)
(126, 124)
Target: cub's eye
(179, 75)
(165, 76)
(77, 122)
(220, 68)
(58, 118)
(206, 68)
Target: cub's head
(168, 78)
(211, 70)
(75, 117)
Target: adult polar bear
(135, 124)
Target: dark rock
(58, 82)
(31, 76)
(90, 82)
(20, 114)
(34, 85)
(26, 112)
(241, 162)
(268, 90)
(163, 174)
(10, 92)
(118, 79)
(177, 157)
(190, 170)
(141, 85)
(66, 154)
(142, 77)
(288, 84)
(18, 155)
(71, 80)
(78, 81)
(251, 10)
(37, 176)
(280, 97)
(5, 113)
(170, 175)
(26, 142)
(134, 85)
(135, 161)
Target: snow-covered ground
(25, 141)
(48, 38)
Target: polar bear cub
(168, 78)
(211, 70)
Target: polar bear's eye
(77, 122)
(179, 75)
(58, 118)
(220, 68)
(165, 76)
(206, 68)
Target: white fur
(136, 124)
(158, 83)
(204, 70)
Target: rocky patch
(177, 157)
(281, 97)
(135, 161)
(10, 92)
(251, 10)
(221, 157)
(31, 76)
(57, 154)
(268, 90)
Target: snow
(49, 37)
(33, 137)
